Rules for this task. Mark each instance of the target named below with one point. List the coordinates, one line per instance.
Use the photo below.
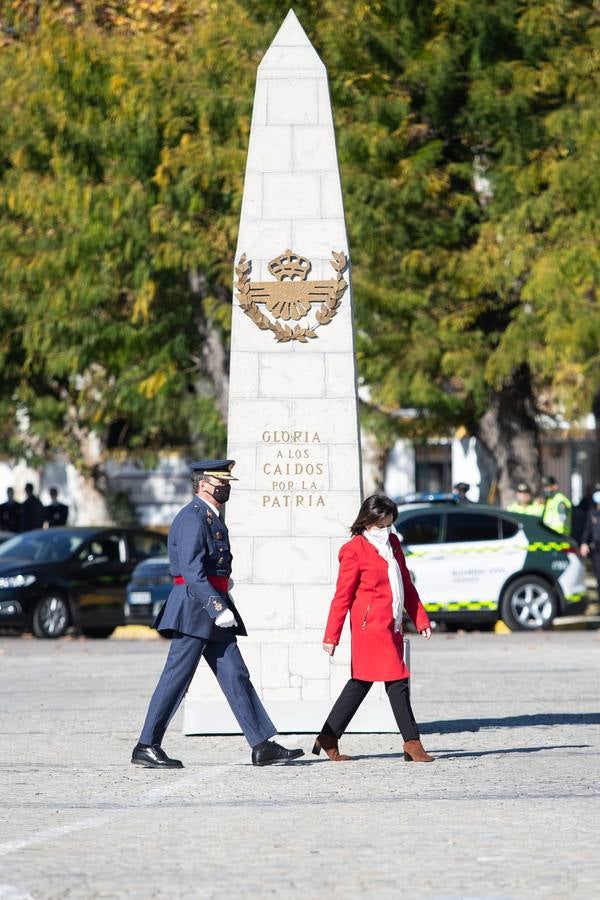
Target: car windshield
(42, 546)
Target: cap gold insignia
(291, 295)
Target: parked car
(477, 563)
(147, 591)
(60, 577)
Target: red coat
(363, 587)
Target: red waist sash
(220, 582)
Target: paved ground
(508, 810)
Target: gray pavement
(509, 809)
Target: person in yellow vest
(524, 502)
(557, 507)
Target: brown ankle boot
(329, 743)
(415, 752)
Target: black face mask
(221, 492)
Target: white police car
(474, 564)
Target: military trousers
(229, 668)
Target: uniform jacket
(363, 588)
(56, 514)
(10, 518)
(591, 532)
(198, 547)
(31, 514)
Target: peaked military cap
(523, 488)
(549, 480)
(219, 468)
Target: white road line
(98, 819)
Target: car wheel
(98, 632)
(51, 616)
(528, 604)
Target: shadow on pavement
(452, 726)
(466, 754)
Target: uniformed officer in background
(558, 511)
(202, 620)
(459, 491)
(524, 502)
(10, 517)
(56, 513)
(590, 539)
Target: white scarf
(379, 538)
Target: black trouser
(353, 695)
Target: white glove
(226, 619)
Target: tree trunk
(509, 431)
(213, 364)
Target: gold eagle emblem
(290, 296)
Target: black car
(52, 579)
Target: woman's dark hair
(373, 510)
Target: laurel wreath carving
(284, 333)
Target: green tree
(121, 165)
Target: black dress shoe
(269, 753)
(153, 757)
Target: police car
(474, 564)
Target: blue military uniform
(198, 550)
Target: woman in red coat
(375, 586)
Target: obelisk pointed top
(291, 33)
(291, 48)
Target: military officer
(202, 620)
(56, 513)
(524, 502)
(558, 511)
(10, 517)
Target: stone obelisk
(293, 410)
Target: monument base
(305, 717)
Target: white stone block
(339, 331)
(314, 150)
(253, 197)
(259, 239)
(311, 606)
(245, 470)
(279, 561)
(295, 681)
(293, 101)
(331, 196)
(250, 338)
(259, 109)
(301, 376)
(270, 149)
(338, 676)
(297, 196)
(325, 115)
(286, 636)
(289, 694)
(316, 689)
(334, 420)
(344, 468)
(254, 513)
(309, 661)
(340, 375)
(275, 668)
(318, 237)
(298, 59)
(332, 519)
(264, 606)
(242, 560)
(248, 419)
(243, 380)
